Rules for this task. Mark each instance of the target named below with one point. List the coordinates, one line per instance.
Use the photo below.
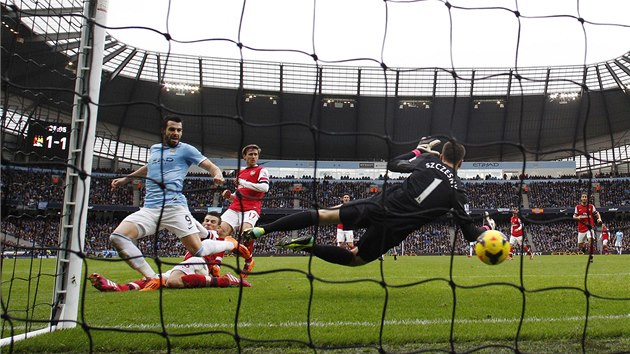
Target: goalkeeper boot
(234, 281)
(154, 284)
(426, 145)
(103, 284)
(239, 248)
(297, 244)
(253, 233)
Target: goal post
(77, 193)
(66, 292)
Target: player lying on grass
(193, 272)
(430, 191)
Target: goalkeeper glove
(427, 144)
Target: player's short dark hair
(215, 214)
(170, 118)
(453, 152)
(249, 147)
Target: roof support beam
(52, 11)
(602, 92)
(124, 63)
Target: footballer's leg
(249, 261)
(295, 221)
(205, 281)
(103, 284)
(123, 240)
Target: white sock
(128, 251)
(213, 246)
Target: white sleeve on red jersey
(258, 187)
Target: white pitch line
(417, 322)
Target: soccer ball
(492, 247)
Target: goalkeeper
(430, 191)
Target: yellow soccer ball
(492, 247)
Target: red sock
(194, 280)
(250, 246)
(221, 282)
(202, 281)
(134, 285)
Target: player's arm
(406, 163)
(520, 225)
(214, 171)
(599, 217)
(470, 231)
(139, 173)
(262, 186)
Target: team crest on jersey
(251, 173)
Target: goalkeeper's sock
(295, 221)
(131, 254)
(333, 254)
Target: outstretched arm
(214, 170)
(119, 182)
(405, 163)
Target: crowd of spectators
(26, 189)
(29, 188)
(432, 239)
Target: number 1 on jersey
(430, 188)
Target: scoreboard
(50, 140)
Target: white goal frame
(68, 278)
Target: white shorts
(605, 242)
(176, 219)
(516, 240)
(583, 237)
(193, 265)
(236, 218)
(345, 236)
(618, 242)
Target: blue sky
(405, 34)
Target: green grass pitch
(538, 305)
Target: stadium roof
(360, 113)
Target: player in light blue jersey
(165, 206)
(619, 241)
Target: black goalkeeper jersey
(432, 187)
(430, 191)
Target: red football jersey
(604, 233)
(251, 199)
(585, 210)
(517, 226)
